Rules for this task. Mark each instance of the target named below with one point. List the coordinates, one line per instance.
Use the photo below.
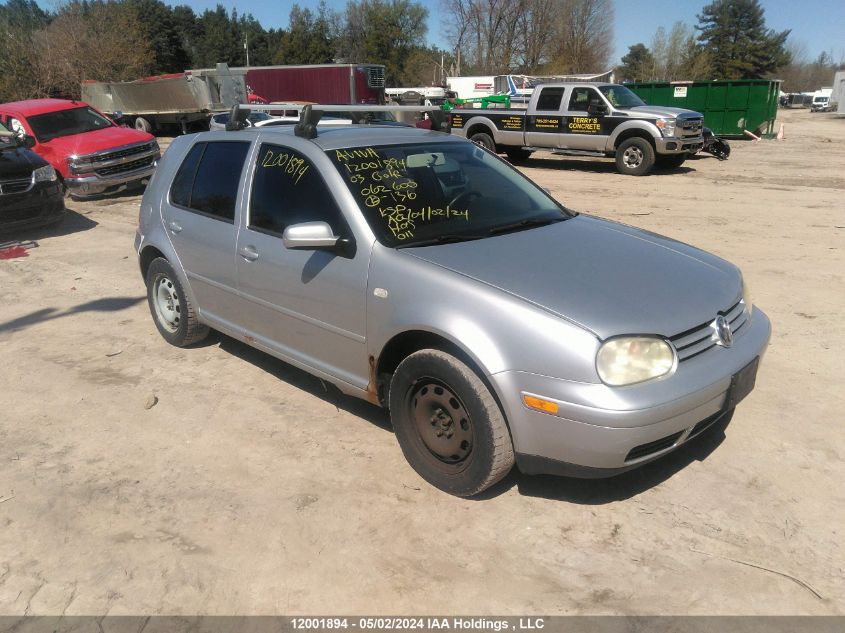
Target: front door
(308, 306)
(583, 126)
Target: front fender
(499, 331)
(641, 126)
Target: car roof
(31, 107)
(357, 135)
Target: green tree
(740, 46)
(308, 39)
(382, 32)
(22, 73)
(637, 64)
(162, 29)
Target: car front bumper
(40, 205)
(673, 145)
(600, 431)
(94, 185)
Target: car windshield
(420, 194)
(621, 97)
(67, 122)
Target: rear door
(199, 217)
(543, 127)
(308, 306)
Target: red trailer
(321, 83)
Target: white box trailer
(837, 94)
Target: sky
(819, 25)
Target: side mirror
(28, 141)
(597, 108)
(310, 235)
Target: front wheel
(448, 425)
(173, 313)
(634, 157)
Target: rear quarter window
(207, 180)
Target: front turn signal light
(539, 404)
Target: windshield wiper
(523, 224)
(443, 239)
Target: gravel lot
(137, 478)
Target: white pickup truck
(587, 119)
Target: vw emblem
(724, 336)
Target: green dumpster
(729, 107)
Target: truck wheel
(671, 162)
(173, 313)
(485, 140)
(517, 155)
(448, 425)
(142, 125)
(634, 157)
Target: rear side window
(208, 178)
(550, 99)
(287, 189)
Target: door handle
(248, 253)
(174, 226)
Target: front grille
(701, 338)
(643, 450)
(691, 127)
(18, 185)
(375, 77)
(125, 167)
(129, 151)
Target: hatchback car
(421, 272)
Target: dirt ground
(250, 488)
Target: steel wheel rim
(633, 156)
(441, 421)
(167, 305)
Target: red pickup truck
(91, 153)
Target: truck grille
(128, 151)
(701, 338)
(691, 127)
(125, 167)
(375, 76)
(18, 185)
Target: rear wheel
(634, 157)
(173, 313)
(485, 140)
(671, 162)
(448, 425)
(143, 125)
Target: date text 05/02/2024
(418, 623)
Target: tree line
(49, 52)
(730, 41)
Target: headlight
(667, 126)
(631, 359)
(746, 297)
(44, 174)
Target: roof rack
(311, 113)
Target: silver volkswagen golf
(422, 273)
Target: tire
(142, 125)
(485, 140)
(448, 425)
(172, 311)
(517, 155)
(671, 162)
(634, 157)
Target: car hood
(665, 111)
(609, 278)
(96, 141)
(18, 162)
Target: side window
(208, 178)
(287, 189)
(550, 99)
(180, 190)
(583, 98)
